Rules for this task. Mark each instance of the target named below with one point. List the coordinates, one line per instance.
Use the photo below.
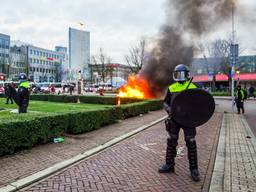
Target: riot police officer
(181, 76)
(240, 96)
(23, 93)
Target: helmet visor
(180, 75)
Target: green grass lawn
(41, 108)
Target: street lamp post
(238, 77)
(233, 57)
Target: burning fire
(136, 87)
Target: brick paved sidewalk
(235, 167)
(27, 162)
(132, 165)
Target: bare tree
(218, 52)
(101, 63)
(136, 57)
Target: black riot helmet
(181, 73)
(23, 77)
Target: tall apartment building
(79, 52)
(4, 53)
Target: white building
(44, 64)
(79, 53)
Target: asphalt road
(250, 111)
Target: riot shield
(192, 107)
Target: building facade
(18, 61)
(4, 53)
(115, 74)
(79, 52)
(64, 70)
(204, 70)
(44, 64)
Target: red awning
(222, 77)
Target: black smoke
(189, 21)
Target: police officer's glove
(168, 110)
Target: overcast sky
(114, 25)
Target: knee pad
(172, 140)
(190, 142)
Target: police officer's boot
(168, 167)
(192, 157)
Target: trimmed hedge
(23, 134)
(55, 98)
(106, 100)
(18, 135)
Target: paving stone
(132, 165)
(239, 166)
(28, 162)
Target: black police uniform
(240, 97)
(173, 128)
(7, 93)
(23, 94)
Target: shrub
(106, 100)
(26, 132)
(19, 135)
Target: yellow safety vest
(178, 87)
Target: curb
(230, 98)
(21, 183)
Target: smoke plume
(190, 20)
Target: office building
(44, 64)
(64, 70)
(4, 53)
(18, 61)
(79, 53)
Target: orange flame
(136, 87)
